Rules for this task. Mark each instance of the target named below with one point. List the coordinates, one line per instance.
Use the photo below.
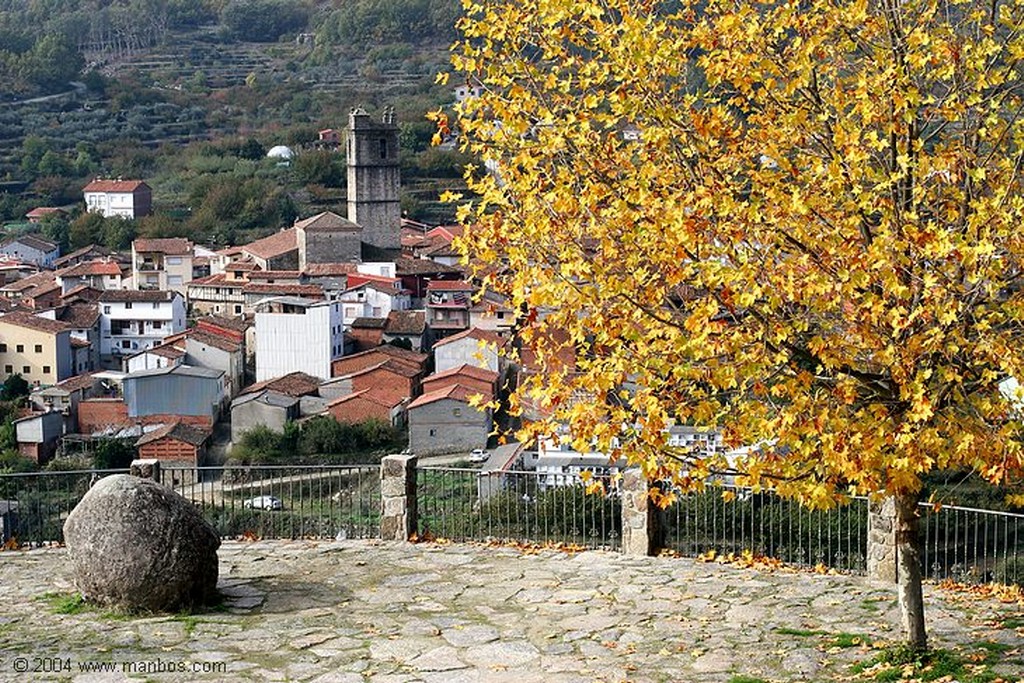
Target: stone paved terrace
(394, 612)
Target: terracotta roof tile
(77, 382)
(277, 244)
(294, 290)
(450, 286)
(126, 295)
(293, 384)
(114, 185)
(406, 323)
(163, 245)
(86, 268)
(79, 316)
(34, 322)
(456, 392)
(178, 431)
(329, 269)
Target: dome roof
(280, 152)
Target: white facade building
(298, 335)
(133, 321)
(124, 198)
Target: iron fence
(265, 502)
(469, 504)
(971, 545)
(768, 525)
(34, 505)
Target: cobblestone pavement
(388, 612)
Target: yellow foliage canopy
(798, 223)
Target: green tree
(797, 223)
(85, 229)
(320, 167)
(14, 387)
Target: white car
(478, 455)
(264, 503)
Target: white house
(373, 299)
(474, 347)
(124, 198)
(561, 465)
(297, 335)
(133, 321)
(101, 274)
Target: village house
(164, 355)
(31, 249)
(124, 198)
(41, 213)
(475, 378)
(444, 421)
(175, 391)
(492, 313)
(373, 298)
(101, 274)
(447, 307)
(272, 403)
(38, 435)
(297, 335)
(327, 238)
(87, 253)
(391, 378)
(279, 251)
(471, 347)
(406, 327)
(366, 405)
(373, 357)
(83, 320)
(364, 334)
(133, 321)
(37, 348)
(64, 398)
(255, 293)
(162, 264)
(176, 443)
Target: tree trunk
(908, 571)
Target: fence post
(398, 497)
(882, 540)
(146, 469)
(641, 519)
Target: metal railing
(464, 504)
(770, 526)
(314, 501)
(972, 545)
(36, 504)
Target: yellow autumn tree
(799, 223)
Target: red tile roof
(406, 323)
(450, 286)
(114, 185)
(369, 395)
(34, 322)
(79, 316)
(163, 245)
(86, 268)
(41, 211)
(125, 295)
(77, 383)
(294, 384)
(277, 244)
(315, 291)
(214, 340)
(485, 336)
(455, 392)
(179, 431)
(473, 371)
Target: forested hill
(44, 44)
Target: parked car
(478, 455)
(264, 503)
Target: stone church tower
(373, 178)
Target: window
(106, 309)
(216, 309)
(174, 260)
(158, 324)
(383, 148)
(39, 348)
(128, 304)
(25, 369)
(238, 309)
(9, 369)
(3, 348)
(46, 369)
(501, 315)
(156, 305)
(433, 432)
(174, 281)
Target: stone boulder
(139, 545)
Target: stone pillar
(146, 469)
(641, 519)
(397, 497)
(882, 556)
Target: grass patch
(188, 620)
(1013, 622)
(801, 632)
(848, 640)
(903, 663)
(747, 679)
(65, 603)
